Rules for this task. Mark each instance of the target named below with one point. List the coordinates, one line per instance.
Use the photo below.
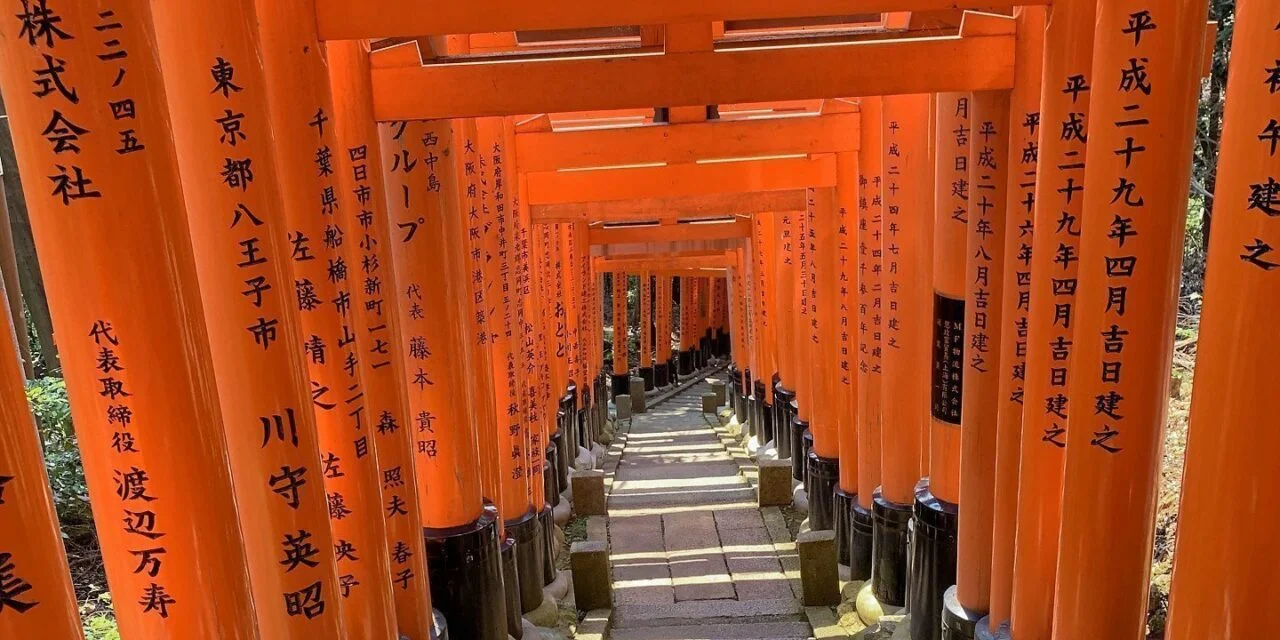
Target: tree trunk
(12, 288)
(1217, 86)
(32, 284)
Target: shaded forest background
(47, 392)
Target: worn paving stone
(688, 544)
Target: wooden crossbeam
(662, 256)
(718, 272)
(687, 207)
(629, 265)
(375, 19)
(729, 230)
(982, 61)
(784, 174)
(675, 143)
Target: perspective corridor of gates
(344, 291)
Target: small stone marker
(588, 493)
(592, 577)
(637, 395)
(718, 388)
(775, 483)
(709, 404)
(622, 404)
(819, 573)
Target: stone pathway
(692, 555)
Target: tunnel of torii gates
(328, 279)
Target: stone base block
(774, 489)
(819, 576)
(637, 395)
(588, 491)
(592, 577)
(622, 406)
(709, 404)
(721, 391)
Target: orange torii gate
(457, 416)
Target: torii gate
(291, 128)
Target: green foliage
(48, 398)
(1194, 252)
(98, 619)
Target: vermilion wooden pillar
(953, 136)
(803, 345)
(938, 497)
(862, 250)
(966, 603)
(908, 254)
(763, 249)
(461, 536)
(685, 324)
(829, 404)
(1023, 161)
(476, 232)
(363, 216)
(298, 92)
(738, 293)
(112, 233)
(36, 585)
(664, 366)
(572, 239)
(786, 313)
(1146, 74)
(646, 329)
(1223, 526)
(621, 370)
(501, 270)
(217, 96)
(535, 402)
(1051, 325)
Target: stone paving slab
(751, 631)
(691, 553)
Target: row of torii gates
(329, 301)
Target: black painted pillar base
(824, 473)
(673, 368)
(685, 360)
(661, 375)
(646, 374)
(842, 504)
(551, 479)
(782, 417)
(621, 385)
(584, 431)
(753, 422)
(530, 548)
(890, 565)
(570, 426)
(511, 584)
(806, 446)
(861, 533)
(758, 410)
(796, 434)
(743, 411)
(958, 623)
(546, 521)
(465, 569)
(933, 561)
(565, 454)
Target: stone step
(707, 612)
(739, 631)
